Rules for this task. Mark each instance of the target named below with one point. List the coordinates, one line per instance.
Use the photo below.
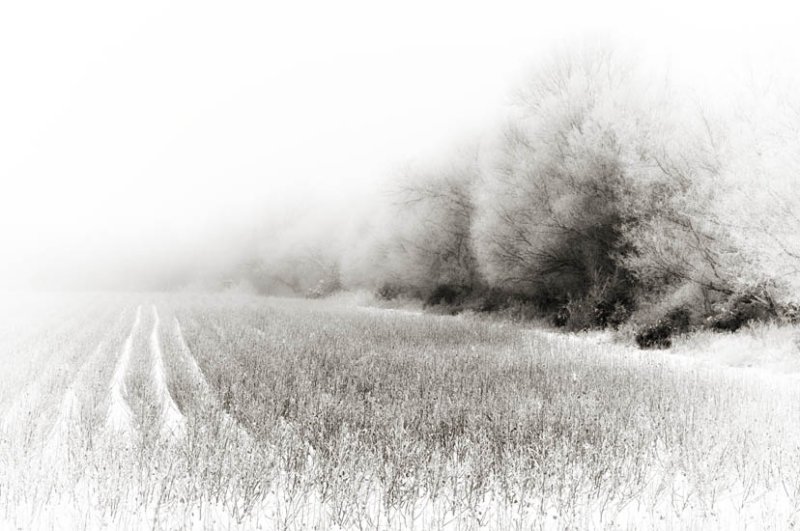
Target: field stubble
(276, 414)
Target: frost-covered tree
(673, 237)
(758, 204)
(722, 210)
(551, 206)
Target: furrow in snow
(31, 400)
(66, 426)
(173, 423)
(120, 417)
(68, 418)
(194, 369)
(200, 382)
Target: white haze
(155, 136)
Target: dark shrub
(659, 335)
(654, 336)
(561, 317)
(741, 310)
(324, 288)
(789, 313)
(607, 302)
(491, 300)
(679, 320)
(597, 310)
(448, 294)
(389, 291)
(522, 309)
(725, 322)
(581, 314)
(612, 313)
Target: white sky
(130, 128)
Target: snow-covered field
(232, 411)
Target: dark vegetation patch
(389, 291)
(741, 310)
(454, 296)
(659, 335)
(729, 314)
(751, 306)
(325, 287)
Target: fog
(147, 144)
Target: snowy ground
(208, 412)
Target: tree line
(605, 197)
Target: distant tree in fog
(431, 212)
(300, 257)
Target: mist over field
(439, 265)
(166, 145)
